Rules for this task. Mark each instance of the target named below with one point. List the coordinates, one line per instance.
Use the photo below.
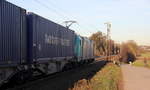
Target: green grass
(140, 63)
(146, 54)
(109, 78)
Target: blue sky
(130, 18)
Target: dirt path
(136, 78)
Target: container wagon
(87, 50)
(50, 45)
(12, 39)
(78, 48)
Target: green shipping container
(78, 47)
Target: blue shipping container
(12, 34)
(48, 40)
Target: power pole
(108, 51)
(69, 23)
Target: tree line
(128, 51)
(103, 45)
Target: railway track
(54, 78)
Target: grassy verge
(145, 62)
(109, 78)
(146, 54)
(142, 63)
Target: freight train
(31, 45)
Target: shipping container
(78, 47)
(88, 51)
(91, 51)
(48, 40)
(12, 34)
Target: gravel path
(136, 78)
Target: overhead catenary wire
(54, 10)
(36, 7)
(60, 14)
(73, 16)
(51, 9)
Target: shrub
(129, 51)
